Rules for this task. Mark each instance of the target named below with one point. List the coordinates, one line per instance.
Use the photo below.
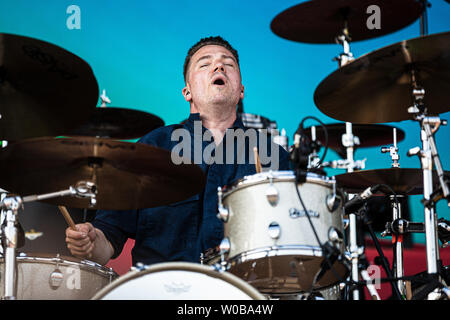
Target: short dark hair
(217, 40)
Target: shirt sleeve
(117, 226)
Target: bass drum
(55, 277)
(178, 281)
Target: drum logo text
(295, 213)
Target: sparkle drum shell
(54, 277)
(269, 241)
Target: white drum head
(178, 281)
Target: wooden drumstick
(257, 161)
(67, 217)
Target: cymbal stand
(344, 39)
(396, 216)
(398, 247)
(428, 155)
(11, 204)
(349, 141)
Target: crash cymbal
(321, 21)
(118, 123)
(44, 89)
(370, 135)
(127, 175)
(377, 87)
(405, 181)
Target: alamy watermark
(74, 20)
(237, 147)
(374, 20)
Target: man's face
(213, 77)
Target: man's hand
(81, 243)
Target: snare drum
(55, 277)
(269, 241)
(178, 281)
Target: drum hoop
(275, 176)
(183, 266)
(66, 261)
(268, 251)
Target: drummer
(182, 231)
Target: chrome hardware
(335, 236)
(223, 212)
(56, 279)
(333, 201)
(393, 151)
(272, 193)
(274, 230)
(224, 246)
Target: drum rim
(240, 284)
(282, 250)
(275, 176)
(65, 261)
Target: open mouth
(219, 80)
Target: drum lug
(335, 236)
(223, 212)
(224, 246)
(274, 230)
(56, 279)
(272, 195)
(333, 201)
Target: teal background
(137, 49)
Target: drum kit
(288, 235)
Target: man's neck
(217, 122)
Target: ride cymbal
(127, 175)
(378, 86)
(321, 21)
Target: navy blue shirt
(182, 231)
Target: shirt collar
(196, 117)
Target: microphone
(357, 201)
(330, 254)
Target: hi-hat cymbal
(370, 135)
(404, 181)
(320, 21)
(377, 87)
(118, 123)
(44, 89)
(127, 175)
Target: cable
(324, 250)
(325, 130)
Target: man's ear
(187, 94)
(242, 92)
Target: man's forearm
(103, 250)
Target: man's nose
(219, 67)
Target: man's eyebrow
(228, 57)
(224, 56)
(203, 58)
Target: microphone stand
(384, 261)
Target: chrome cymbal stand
(396, 216)
(349, 141)
(428, 155)
(344, 39)
(11, 205)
